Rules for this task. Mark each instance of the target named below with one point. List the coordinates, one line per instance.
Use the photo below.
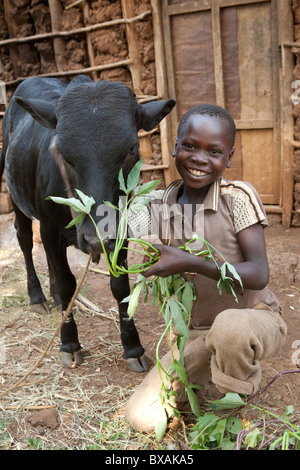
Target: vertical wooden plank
(193, 59)
(230, 60)
(276, 103)
(86, 17)
(170, 173)
(287, 123)
(169, 64)
(259, 160)
(136, 67)
(255, 61)
(128, 8)
(217, 51)
(56, 10)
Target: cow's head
(96, 133)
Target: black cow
(94, 125)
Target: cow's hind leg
(23, 226)
(70, 350)
(133, 351)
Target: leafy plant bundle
(174, 294)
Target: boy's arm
(254, 270)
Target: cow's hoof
(137, 364)
(71, 360)
(40, 308)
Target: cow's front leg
(133, 351)
(70, 350)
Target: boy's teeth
(196, 172)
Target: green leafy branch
(174, 294)
(228, 432)
(136, 196)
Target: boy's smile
(203, 151)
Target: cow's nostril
(93, 243)
(109, 244)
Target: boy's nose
(200, 155)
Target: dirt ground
(53, 392)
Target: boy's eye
(189, 146)
(215, 152)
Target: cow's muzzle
(92, 244)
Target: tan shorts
(228, 354)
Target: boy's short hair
(208, 110)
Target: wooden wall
(295, 49)
(134, 41)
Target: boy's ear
(175, 148)
(228, 165)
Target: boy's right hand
(172, 260)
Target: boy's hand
(171, 261)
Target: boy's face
(203, 150)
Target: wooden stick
(74, 4)
(66, 397)
(64, 317)
(38, 407)
(295, 143)
(122, 63)
(72, 32)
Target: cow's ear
(42, 111)
(150, 114)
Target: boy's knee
(141, 414)
(227, 329)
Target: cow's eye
(70, 164)
(133, 148)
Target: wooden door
(227, 52)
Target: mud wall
(296, 215)
(88, 51)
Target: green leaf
(235, 274)
(72, 202)
(234, 425)
(218, 432)
(122, 181)
(136, 207)
(146, 188)
(289, 410)
(193, 399)
(134, 298)
(178, 317)
(231, 400)
(181, 340)
(181, 372)
(188, 296)
(88, 201)
(108, 203)
(83, 205)
(253, 438)
(75, 221)
(161, 425)
(133, 176)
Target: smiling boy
(227, 340)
